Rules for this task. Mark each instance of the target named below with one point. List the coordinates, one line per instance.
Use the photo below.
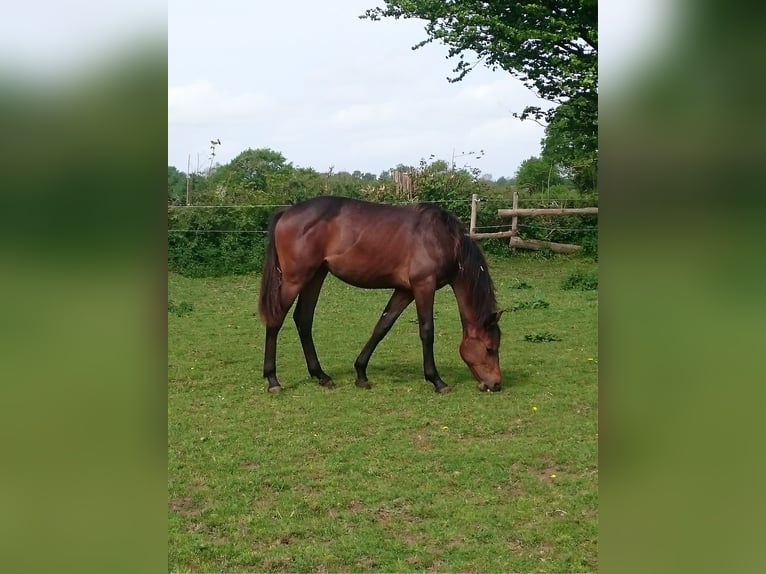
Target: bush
(581, 280)
(217, 241)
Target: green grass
(396, 478)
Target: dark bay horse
(413, 249)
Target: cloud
(201, 103)
(382, 128)
(367, 116)
(506, 95)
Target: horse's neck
(465, 304)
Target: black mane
(472, 265)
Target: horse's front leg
(424, 301)
(396, 304)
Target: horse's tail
(270, 302)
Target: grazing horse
(413, 249)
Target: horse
(414, 249)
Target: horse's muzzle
(494, 387)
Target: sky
(311, 80)
(326, 89)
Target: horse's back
(363, 243)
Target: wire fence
(533, 226)
(501, 201)
(217, 231)
(504, 201)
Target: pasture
(396, 478)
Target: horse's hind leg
(398, 303)
(304, 321)
(287, 296)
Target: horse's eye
(490, 351)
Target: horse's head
(480, 350)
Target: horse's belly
(368, 276)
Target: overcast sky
(311, 80)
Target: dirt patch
(183, 506)
(421, 440)
(197, 527)
(219, 540)
(278, 564)
(549, 474)
(457, 542)
(437, 566)
(287, 539)
(382, 516)
(367, 563)
(510, 431)
(416, 539)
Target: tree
(572, 146)
(176, 186)
(251, 170)
(537, 175)
(551, 45)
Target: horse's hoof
(275, 389)
(327, 384)
(363, 384)
(444, 389)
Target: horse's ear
(493, 319)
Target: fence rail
(548, 211)
(515, 240)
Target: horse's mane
(472, 266)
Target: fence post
(474, 205)
(188, 179)
(514, 220)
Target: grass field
(396, 478)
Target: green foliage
(176, 186)
(179, 309)
(536, 304)
(537, 175)
(582, 280)
(343, 184)
(451, 188)
(257, 177)
(544, 337)
(198, 246)
(251, 170)
(573, 145)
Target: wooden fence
(515, 240)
